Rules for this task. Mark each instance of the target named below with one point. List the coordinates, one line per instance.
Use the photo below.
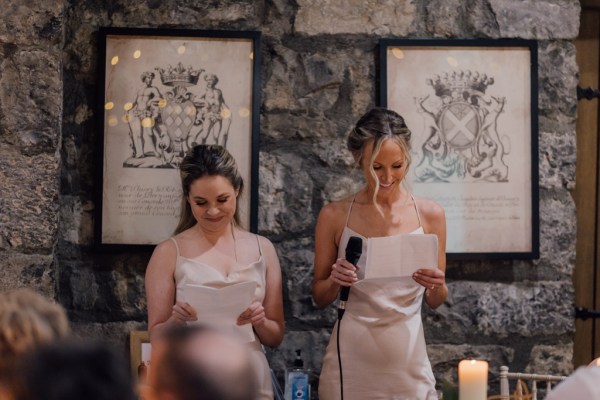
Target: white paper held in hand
(400, 256)
(221, 307)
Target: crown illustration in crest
(179, 75)
(458, 82)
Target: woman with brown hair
(209, 248)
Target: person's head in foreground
(584, 383)
(76, 370)
(27, 320)
(200, 363)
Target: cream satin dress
(194, 272)
(382, 344)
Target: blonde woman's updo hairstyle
(378, 125)
(201, 161)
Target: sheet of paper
(222, 307)
(400, 255)
(146, 351)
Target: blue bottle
(297, 386)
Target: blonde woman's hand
(182, 312)
(255, 315)
(343, 273)
(431, 278)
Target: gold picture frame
(139, 350)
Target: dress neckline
(416, 231)
(233, 272)
(420, 227)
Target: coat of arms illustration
(461, 129)
(163, 128)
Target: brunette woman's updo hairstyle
(201, 161)
(378, 125)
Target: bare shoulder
(432, 212)
(166, 247)
(266, 244)
(163, 258)
(335, 212)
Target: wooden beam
(586, 191)
(590, 4)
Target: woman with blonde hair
(382, 345)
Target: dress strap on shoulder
(416, 209)
(259, 246)
(350, 210)
(176, 245)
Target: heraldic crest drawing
(462, 142)
(162, 128)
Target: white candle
(472, 380)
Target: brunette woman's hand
(255, 315)
(431, 278)
(343, 273)
(182, 312)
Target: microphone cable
(353, 253)
(339, 322)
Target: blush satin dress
(382, 344)
(190, 271)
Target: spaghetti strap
(259, 247)
(350, 210)
(417, 210)
(176, 245)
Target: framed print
(140, 350)
(161, 92)
(471, 106)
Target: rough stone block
(340, 186)
(294, 126)
(33, 271)
(457, 18)
(537, 19)
(525, 309)
(198, 15)
(29, 201)
(285, 193)
(557, 83)
(31, 23)
(110, 289)
(332, 153)
(31, 99)
(296, 257)
(377, 17)
(558, 232)
(551, 359)
(316, 81)
(557, 159)
(475, 311)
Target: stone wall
(318, 77)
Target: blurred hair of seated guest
(200, 363)
(27, 320)
(76, 370)
(584, 383)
